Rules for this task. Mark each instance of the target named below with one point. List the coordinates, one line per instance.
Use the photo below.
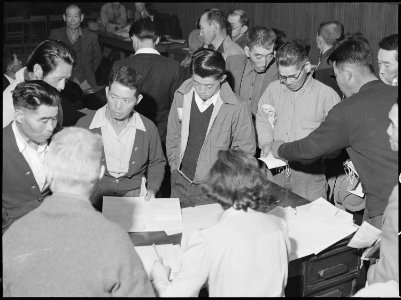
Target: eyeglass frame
(292, 77)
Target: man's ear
(138, 99)
(82, 18)
(244, 29)
(223, 78)
(64, 18)
(106, 89)
(38, 72)
(102, 170)
(18, 115)
(247, 51)
(308, 67)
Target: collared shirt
(74, 38)
(294, 114)
(203, 105)
(209, 255)
(117, 148)
(251, 86)
(147, 51)
(34, 158)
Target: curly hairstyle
(236, 180)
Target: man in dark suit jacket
(85, 45)
(161, 76)
(24, 146)
(250, 74)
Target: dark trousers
(185, 190)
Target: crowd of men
(159, 134)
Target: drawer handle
(333, 271)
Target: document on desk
(272, 162)
(316, 226)
(365, 236)
(134, 214)
(169, 253)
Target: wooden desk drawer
(336, 287)
(327, 267)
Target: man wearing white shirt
(206, 116)
(24, 147)
(131, 144)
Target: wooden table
(332, 272)
(125, 47)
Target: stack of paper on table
(134, 214)
(169, 253)
(316, 226)
(365, 236)
(272, 162)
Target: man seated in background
(51, 61)
(64, 248)
(357, 124)
(239, 22)
(250, 74)
(161, 76)
(85, 45)
(387, 58)
(213, 26)
(24, 147)
(289, 109)
(327, 35)
(113, 16)
(132, 147)
(205, 117)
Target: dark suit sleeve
(157, 161)
(178, 79)
(330, 136)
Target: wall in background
(300, 20)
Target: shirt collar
(100, 120)
(147, 51)
(212, 99)
(248, 67)
(22, 142)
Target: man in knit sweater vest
(65, 248)
(205, 117)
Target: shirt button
(136, 148)
(33, 187)
(28, 173)
(116, 180)
(133, 163)
(40, 199)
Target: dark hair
(145, 29)
(33, 93)
(390, 43)
(235, 179)
(243, 16)
(280, 38)
(127, 76)
(354, 49)
(218, 16)
(261, 36)
(331, 32)
(208, 63)
(48, 53)
(291, 53)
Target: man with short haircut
(387, 58)
(51, 61)
(213, 25)
(85, 44)
(205, 117)
(250, 74)
(327, 35)
(358, 124)
(290, 109)
(161, 76)
(24, 147)
(239, 22)
(132, 148)
(64, 248)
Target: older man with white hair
(65, 248)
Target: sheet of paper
(316, 226)
(285, 213)
(365, 236)
(135, 214)
(358, 190)
(170, 254)
(272, 162)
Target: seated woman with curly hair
(246, 253)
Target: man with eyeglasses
(131, 143)
(290, 109)
(239, 22)
(250, 74)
